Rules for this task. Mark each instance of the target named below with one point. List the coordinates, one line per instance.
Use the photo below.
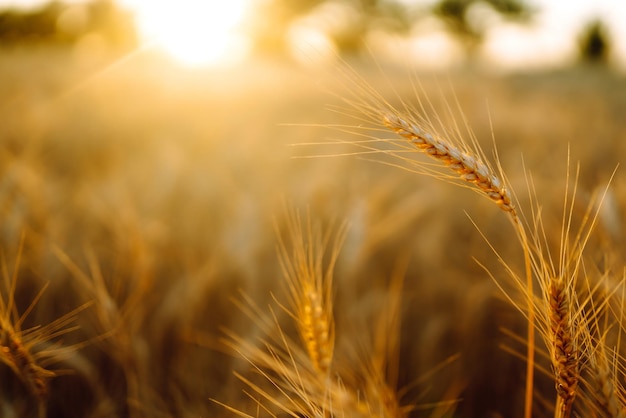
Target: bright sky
(553, 36)
(550, 40)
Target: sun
(194, 32)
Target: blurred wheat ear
(29, 353)
(310, 285)
(304, 378)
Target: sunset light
(194, 33)
(264, 208)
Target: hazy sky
(551, 39)
(559, 23)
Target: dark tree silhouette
(594, 44)
(36, 25)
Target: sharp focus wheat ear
(564, 351)
(471, 168)
(450, 141)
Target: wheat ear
(16, 346)
(310, 288)
(471, 168)
(21, 350)
(564, 350)
(27, 352)
(17, 355)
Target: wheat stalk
(466, 159)
(568, 316)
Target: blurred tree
(270, 29)
(37, 25)
(594, 44)
(46, 24)
(466, 18)
(386, 15)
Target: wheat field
(268, 241)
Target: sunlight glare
(195, 33)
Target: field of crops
(165, 233)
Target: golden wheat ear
(310, 285)
(444, 136)
(303, 378)
(563, 349)
(469, 166)
(296, 368)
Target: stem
(560, 410)
(530, 348)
